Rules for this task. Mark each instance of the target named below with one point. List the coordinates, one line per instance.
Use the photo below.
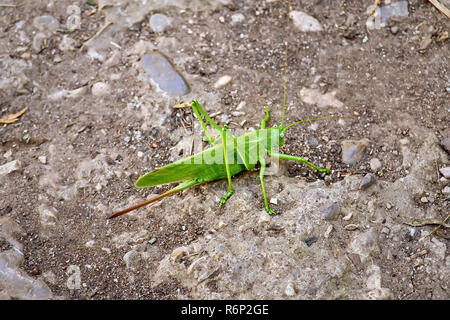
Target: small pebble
(46, 23)
(100, 89)
(445, 143)
(388, 205)
(264, 217)
(222, 82)
(221, 225)
(367, 181)
(394, 30)
(159, 22)
(90, 243)
(446, 191)
(38, 41)
(43, 159)
(328, 232)
(348, 217)
(36, 271)
(445, 172)
(152, 240)
(8, 155)
(57, 59)
(67, 44)
(330, 211)
(274, 201)
(397, 9)
(161, 71)
(351, 227)
(353, 151)
(309, 241)
(290, 290)
(313, 142)
(73, 94)
(9, 167)
(177, 254)
(424, 200)
(25, 55)
(375, 164)
(237, 18)
(304, 22)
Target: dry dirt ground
(80, 151)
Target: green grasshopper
(223, 160)
(226, 159)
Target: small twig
(438, 223)
(8, 5)
(441, 7)
(107, 24)
(427, 223)
(375, 5)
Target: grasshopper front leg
(299, 159)
(195, 107)
(199, 112)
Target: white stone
(264, 217)
(9, 167)
(90, 243)
(290, 290)
(375, 164)
(159, 22)
(237, 18)
(222, 82)
(305, 22)
(100, 89)
(314, 96)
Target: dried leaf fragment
(11, 118)
(181, 105)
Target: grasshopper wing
(172, 172)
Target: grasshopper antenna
(142, 204)
(285, 64)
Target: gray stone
(445, 172)
(330, 211)
(446, 191)
(161, 71)
(395, 9)
(14, 282)
(445, 143)
(46, 23)
(131, 259)
(367, 181)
